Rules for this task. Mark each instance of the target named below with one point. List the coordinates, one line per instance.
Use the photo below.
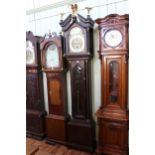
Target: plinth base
(56, 129)
(81, 135)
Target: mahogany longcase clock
(78, 38)
(53, 66)
(113, 113)
(35, 112)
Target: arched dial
(113, 38)
(76, 41)
(30, 55)
(52, 56)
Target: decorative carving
(31, 86)
(79, 91)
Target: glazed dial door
(30, 53)
(112, 38)
(52, 56)
(76, 40)
(114, 88)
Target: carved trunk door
(32, 89)
(78, 73)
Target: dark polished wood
(56, 83)
(113, 116)
(35, 112)
(78, 53)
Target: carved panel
(31, 93)
(78, 91)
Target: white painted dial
(30, 55)
(52, 56)
(113, 38)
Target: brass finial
(74, 9)
(61, 16)
(49, 33)
(88, 10)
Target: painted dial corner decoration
(76, 41)
(30, 55)
(52, 56)
(113, 37)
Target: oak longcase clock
(35, 112)
(53, 66)
(78, 39)
(113, 113)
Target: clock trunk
(113, 115)
(54, 67)
(78, 38)
(35, 112)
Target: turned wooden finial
(74, 9)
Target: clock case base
(81, 135)
(35, 123)
(110, 131)
(56, 129)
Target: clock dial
(76, 41)
(30, 56)
(113, 38)
(52, 56)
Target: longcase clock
(113, 114)
(35, 112)
(54, 67)
(78, 39)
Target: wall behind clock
(43, 16)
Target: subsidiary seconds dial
(113, 38)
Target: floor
(35, 147)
